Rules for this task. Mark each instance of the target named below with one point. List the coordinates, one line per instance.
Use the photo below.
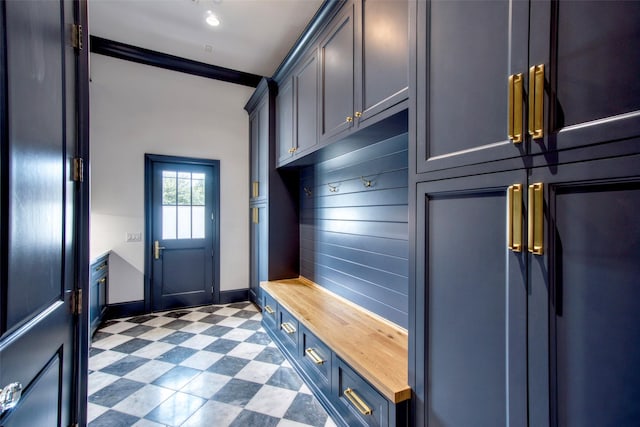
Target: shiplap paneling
(354, 238)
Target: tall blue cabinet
(273, 199)
(525, 175)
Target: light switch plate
(133, 237)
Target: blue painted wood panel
(354, 237)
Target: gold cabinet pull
(515, 108)
(256, 215)
(536, 219)
(314, 356)
(288, 327)
(103, 280)
(255, 191)
(349, 119)
(291, 150)
(102, 267)
(268, 309)
(536, 101)
(358, 114)
(357, 402)
(514, 217)
(156, 249)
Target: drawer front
(269, 310)
(288, 330)
(356, 399)
(316, 360)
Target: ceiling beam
(140, 55)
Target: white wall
(138, 109)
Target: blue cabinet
(353, 74)
(526, 168)
(98, 291)
(272, 205)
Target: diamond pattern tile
(196, 367)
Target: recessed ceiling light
(212, 19)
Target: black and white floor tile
(200, 367)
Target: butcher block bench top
(377, 349)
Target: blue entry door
(183, 252)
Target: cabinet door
(471, 298)
(590, 51)
(258, 250)
(255, 156)
(337, 59)
(465, 54)
(306, 104)
(284, 121)
(585, 300)
(382, 56)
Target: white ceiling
(254, 36)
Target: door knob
(156, 249)
(9, 396)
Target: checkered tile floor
(199, 367)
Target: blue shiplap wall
(354, 240)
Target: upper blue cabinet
(523, 78)
(354, 74)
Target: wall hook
(367, 183)
(333, 188)
(308, 192)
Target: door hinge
(78, 169)
(76, 36)
(76, 302)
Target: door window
(183, 205)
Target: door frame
(149, 160)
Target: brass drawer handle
(357, 402)
(288, 327)
(536, 219)
(514, 217)
(515, 108)
(314, 356)
(536, 101)
(103, 280)
(255, 190)
(268, 309)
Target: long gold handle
(255, 215)
(515, 108)
(255, 191)
(314, 356)
(536, 219)
(268, 309)
(357, 402)
(156, 249)
(536, 101)
(514, 217)
(288, 327)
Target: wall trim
(154, 58)
(236, 295)
(124, 309)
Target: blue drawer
(357, 401)
(288, 330)
(269, 310)
(316, 360)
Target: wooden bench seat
(374, 347)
